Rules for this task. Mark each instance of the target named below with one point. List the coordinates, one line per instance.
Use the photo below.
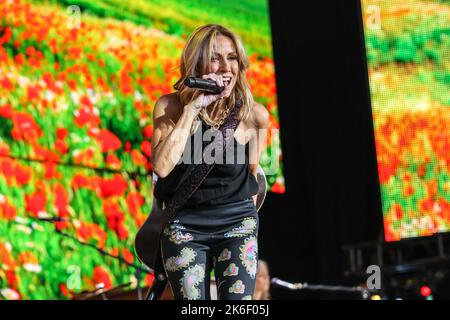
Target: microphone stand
(365, 293)
(138, 268)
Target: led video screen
(78, 83)
(408, 56)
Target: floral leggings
(224, 238)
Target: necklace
(221, 119)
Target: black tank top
(227, 182)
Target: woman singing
(218, 226)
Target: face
(224, 61)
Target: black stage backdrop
(332, 194)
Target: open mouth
(226, 81)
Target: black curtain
(332, 194)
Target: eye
(214, 58)
(233, 58)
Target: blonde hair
(195, 60)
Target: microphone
(204, 84)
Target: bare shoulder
(260, 116)
(165, 117)
(168, 106)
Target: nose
(225, 65)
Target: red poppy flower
(36, 202)
(113, 187)
(6, 84)
(33, 92)
(7, 168)
(385, 171)
(146, 148)
(61, 146)
(72, 84)
(432, 188)
(35, 63)
(148, 280)
(30, 51)
(108, 140)
(3, 55)
(51, 170)
(84, 231)
(122, 232)
(7, 211)
(19, 59)
(41, 153)
(64, 290)
(389, 233)
(101, 276)
(148, 131)
(408, 190)
(114, 214)
(6, 111)
(4, 150)
(113, 162)
(61, 200)
(426, 205)
(79, 181)
(6, 37)
(22, 175)
(86, 101)
(138, 158)
(127, 146)
(398, 211)
(114, 251)
(100, 235)
(25, 127)
(128, 256)
(27, 257)
(134, 200)
(61, 225)
(87, 116)
(74, 52)
(61, 133)
(11, 278)
(277, 187)
(6, 259)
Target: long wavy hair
(195, 60)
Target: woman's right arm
(169, 139)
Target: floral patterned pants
(221, 237)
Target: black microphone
(204, 84)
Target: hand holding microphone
(204, 84)
(217, 87)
